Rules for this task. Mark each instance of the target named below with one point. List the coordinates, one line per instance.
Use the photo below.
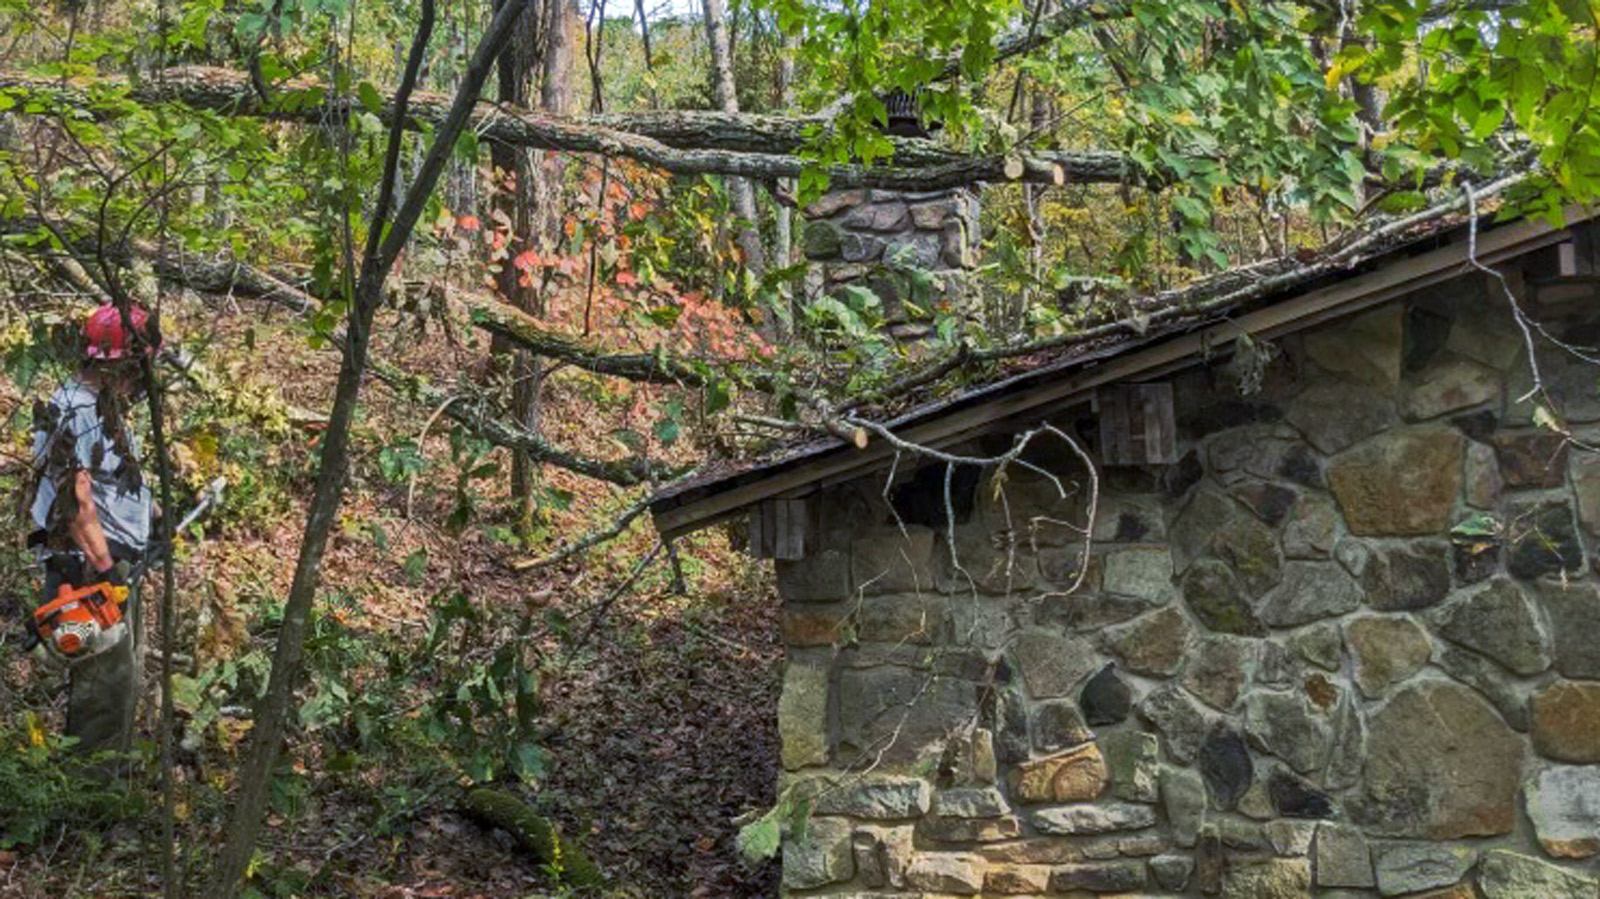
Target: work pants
(104, 689)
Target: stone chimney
(877, 238)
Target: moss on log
(535, 833)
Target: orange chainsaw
(80, 621)
(84, 621)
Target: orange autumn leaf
(468, 223)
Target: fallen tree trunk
(175, 266)
(536, 834)
(683, 143)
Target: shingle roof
(706, 495)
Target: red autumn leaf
(527, 260)
(626, 279)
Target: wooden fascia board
(1346, 297)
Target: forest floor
(654, 709)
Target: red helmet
(107, 337)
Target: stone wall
(903, 246)
(1348, 645)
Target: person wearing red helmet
(92, 511)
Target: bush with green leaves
(48, 790)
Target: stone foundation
(1348, 645)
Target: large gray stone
(1310, 590)
(803, 711)
(1216, 598)
(1270, 502)
(1260, 451)
(1183, 799)
(1226, 767)
(822, 577)
(1482, 477)
(1105, 817)
(1320, 644)
(1482, 323)
(1210, 525)
(1574, 609)
(906, 618)
(1511, 875)
(1251, 548)
(1084, 612)
(1133, 758)
(1441, 765)
(1450, 385)
(1348, 752)
(1052, 663)
(1106, 698)
(886, 560)
(1544, 541)
(899, 712)
(1335, 415)
(1312, 529)
(1140, 572)
(1058, 725)
(1585, 468)
(1489, 679)
(1289, 727)
(960, 875)
(1152, 645)
(1564, 805)
(1404, 868)
(1407, 577)
(1342, 858)
(1387, 650)
(1537, 459)
(883, 854)
(1171, 872)
(877, 797)
(1402, 483)
(822, 856)
(1180, 720)
(1098, 877)
(1217, 670)
(1366, 348)
(1499, 621)
(971, 802)
(1271, 878)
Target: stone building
(1336, 636)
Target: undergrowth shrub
(46, 789)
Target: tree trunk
(386, 239)
(739, 189)
(514, 199)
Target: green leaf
(759, 840)
(717, 396)
(666, 316)
(667, 430)
(528, 761)
(1478, 526)
(368, 95)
